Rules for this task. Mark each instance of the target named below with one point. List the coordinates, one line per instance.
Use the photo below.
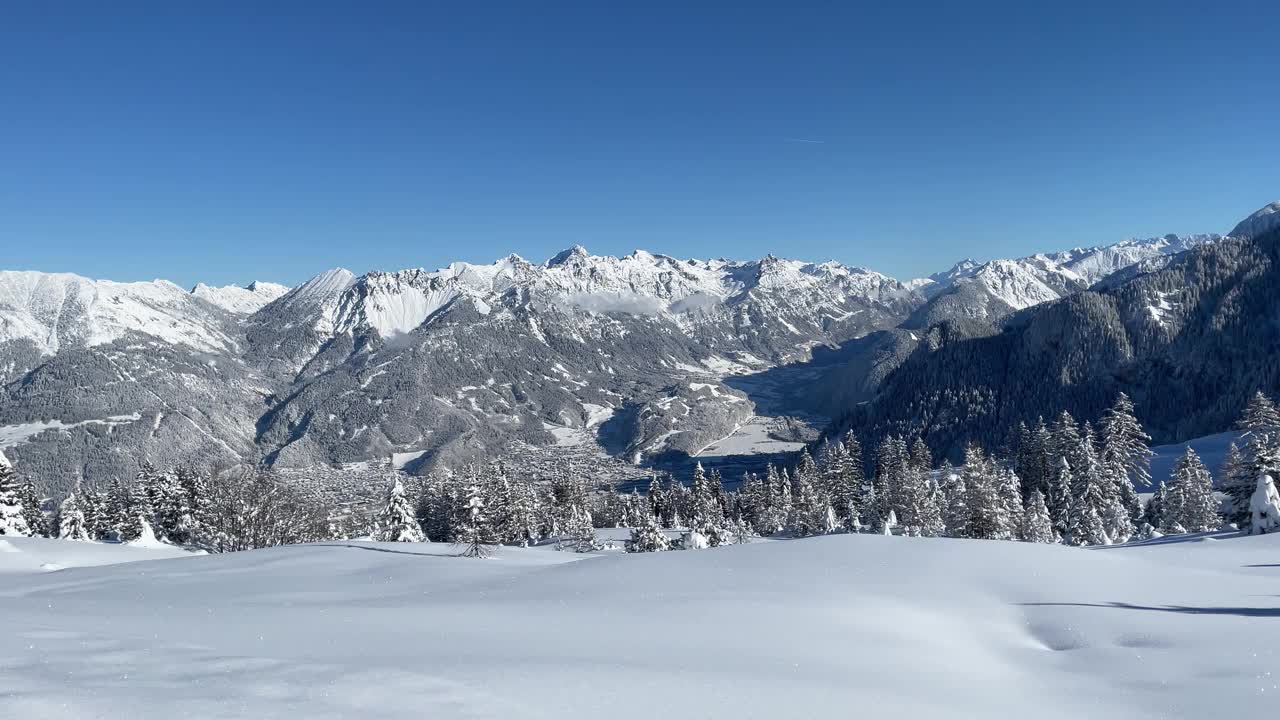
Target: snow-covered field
(841, 626)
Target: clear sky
(232, 141)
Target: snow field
(893, 627)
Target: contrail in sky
(804, 140)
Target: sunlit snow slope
(833, 627)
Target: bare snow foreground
(841, 626)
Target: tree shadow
(1185, 609)
(378, 549)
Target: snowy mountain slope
(240, 300)
(806, 628)
(1189, 343)
(60, 310)
(459, 361)
(994, 288)
(1264, 220)
(456, 363)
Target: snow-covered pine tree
(848, 486)
(193, 509)
(123, 509)
(1033, 462)
(1010, 489)
(715, 483)
(1197, 507)
(647, 536)
(396, 521)
(808, 509)
(1237, 484)
(1058, 499)
(13, 521)
(523, 514)
(1089, 505)
(921, 457)
(1260, 414)
(475, 536)
(1263, 454)
(955, 511)
(94, 505)
(1064, 440)
(579, 534)
(37, 523)
(1123, 504)
(1153, 514)
(1264, 507)
(988, 517)
(885, 485)
(751, 499)
(780, 509)
(171, 515)
(71, 522)
(1125, 443)
(914, 498)
(1036, 525)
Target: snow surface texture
(792, 629)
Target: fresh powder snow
(895, 627)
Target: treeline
(239, 511)
(1062, 482)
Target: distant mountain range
(644, 357)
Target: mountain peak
(1265, 218)
(577, 252)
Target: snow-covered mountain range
(627, 353)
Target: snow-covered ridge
(57, 310)
(395, 303)
(242, 300)
(1034, 279)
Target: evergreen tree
(647, 536)
(1059, 498)
(1237, 485)
(522, 517)
(71, 521)
(1089, 506)
(848, 486)
(1010, 489)
(13, 520)
(1260, 414)
(191, 508)
(37, 523)
(780, 510)
(123, 512)
(1125, 443)
(1033, 462)
(1263, 454)
(396, 522)
(1036, 525)
(917, 514)
(1154, 513)
(955, 511)
(94, 503)
(1064, 440)
(1264, 507)
(1197, 509)
(808, 509)
(987, 512)
(475, 535)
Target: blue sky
(272, 140)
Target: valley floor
(839, 626)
